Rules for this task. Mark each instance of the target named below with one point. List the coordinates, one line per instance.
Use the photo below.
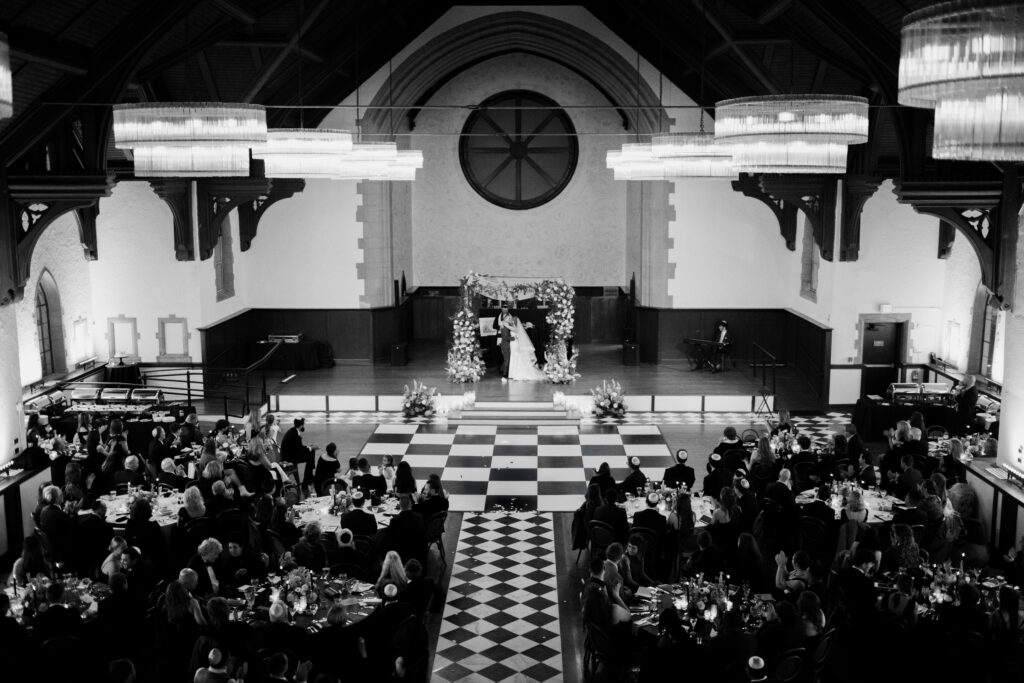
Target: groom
(505, 337)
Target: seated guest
(784, 424)
(680, 474)
(392, 571)
(279, 633)
(708, 560)
(911, 514)
(57, 620)
(603, 477)
(749, 565)
(32, 563)
(719, 476)
(170, 476)
(212, 472)
(387, 470)
(380, 626)
(143, 532)
(900, 601)
(56, 524)
(282, 525)
(421, 590)
(141, 574)
(898, 440)
(220, 499)
(651, 518)
(353, 471)
(795, 580)
(241, 566)
(119, 608)
(431, 501)
(854, 444)
(909, 477)
(260, 474)
(634, 557)
(866, 471)
(636, 480)
(92, 536)
(327, 467)
(617, 576)
(309, 551)
(112, 562)
(156, 452)
(359, 519)
(903, 553)
(857, 588)
(730, 441)
(407, 534)
(234, 638)
(277, 665)
(376, 485)
(205, 563)
(967, 613)
(810, 617)
(297, 453)
(681, 519)
(59, 460)
(777, 635)
(781, 491)
(339, 648)
(611, 514)
(732, 644)
(194, 507)
(217, 668)
(918, 445)
(819, 508)
(346, 552)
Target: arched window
(49, 326)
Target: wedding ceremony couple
(518, 356)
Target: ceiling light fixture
(791, 133)
(965, 59)
(6, 85)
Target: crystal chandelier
(6, 87)
(791, 133)
(693, 154)
(966, 61)
(190, 138)
(303, 152)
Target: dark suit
(56, 621)
(597, 608)
(780, 493)
(91, 539)
(419, 594)
(407, 535)
(295, 452)
(128, 477)
(857, 592)
(909, 479)
(651, 519)
(172, 480)
(821, 511)
(281, 636)
(910, 517)
(359, 522)
(615, 517)
(204, 587)
(374, 485)
(504, 342)
(57, 526)
(428, 507)
(679, 475)
(310, 555)
(966, 406)
(716, 481)
(155, 455)
(634, 482)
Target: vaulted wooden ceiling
(66, 52)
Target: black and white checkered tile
(545, 468)
(820, 427)
(501, 621)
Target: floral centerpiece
(609, 401)
(465, 358)
(420, 401)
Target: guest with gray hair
(130, 475)
(206, 564)
(171, 476)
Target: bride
(523, 362)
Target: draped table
(318, 510)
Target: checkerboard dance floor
(501, 615)
(544, 468)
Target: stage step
(520, 414)
(512, 405)
(512, 422)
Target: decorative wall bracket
(216, 198)
(815, 196)
(177, 194)
(30, 204)
(857, 189)
(785, 213)
(86, 219)
(250, 212)
(978, 209)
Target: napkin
(644, 593)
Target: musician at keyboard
(710, 353)
(723, 340)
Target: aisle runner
(501, 617)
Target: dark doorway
(49, 326)
(881, 355)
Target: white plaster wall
(305, 253)
(12, 427)
(60, 252)
(137, 274)
(963, 275)
(578, 235)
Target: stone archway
(386, 208)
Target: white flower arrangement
(420, 401)
(609, 400)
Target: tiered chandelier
(303, 153)
(190, 138)
(791, 133)
(6, 87)
(965, 59)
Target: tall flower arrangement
(465, 358)
(560, 367)
(420, 401)
(609, 400)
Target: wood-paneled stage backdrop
(367, 335)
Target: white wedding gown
(522, 365)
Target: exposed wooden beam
(40, 48)
(272, 43)
(819, 76)
(208, 38)
(208, 79)
(862, 32)
(235, 11)
(773, 11)
(271, 67)
(718, 23)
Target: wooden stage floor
(597, 362)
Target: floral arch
(465, 358)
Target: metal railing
(238, 389)
(763, 361)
